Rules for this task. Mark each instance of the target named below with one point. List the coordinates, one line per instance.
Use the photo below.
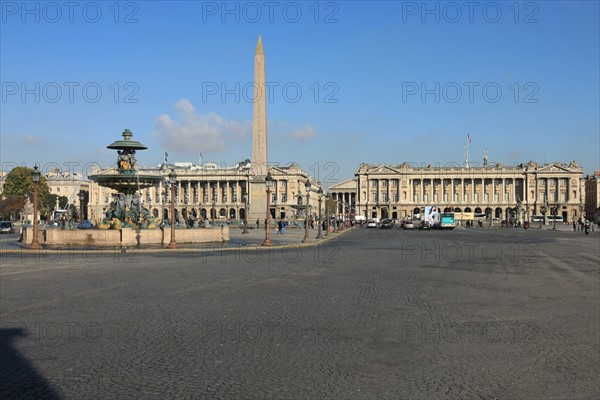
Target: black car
(7, 227)
(386, 224)
(424, 225)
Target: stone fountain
(126, 208)
(127, 222)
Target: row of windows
(552, 182)
(384, 182)
(232, 184)
(541, 181)
(465, 197)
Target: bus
(447, 221)
(537, 218)
(557, 218)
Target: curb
(202, 249)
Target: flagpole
(467, 152)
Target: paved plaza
(371, 314)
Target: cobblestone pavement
(374, 314)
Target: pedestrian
(574, 227)
(283, 224)
(257, 223)
(279, 227)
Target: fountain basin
(124, 236)
(127, 183)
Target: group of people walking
(580, 225)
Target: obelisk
(258, 195)
(259, 121)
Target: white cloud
(192, 133)
(30, 139)
(302, 134)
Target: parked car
(386, 224)
(424, 225)
(85, 225)
(371, 223)
(409, 225)
(7, 227)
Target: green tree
(18, 182)
(11, 206)
(331, 206)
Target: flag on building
(166, 155)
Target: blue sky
(380, 82)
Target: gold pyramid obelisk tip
(259, 48)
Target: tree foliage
(18, 182)
(11, 206)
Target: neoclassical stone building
(501, 191)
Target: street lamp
(543, 210)
(320, 226)
(341, 221)
(35, 177)
(172, 180)
(555, 214)
(327, 214)
(268, 182)
(245, 199)
(307, 185)
(81, 200)
(526, 194)
(518, 209)
(213, 211)
(535, 198)
(334, 227)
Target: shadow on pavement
(18, 378)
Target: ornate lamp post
(341, 221)
(245, 199)
(327, 214)
(543, 210)
(213, 211)
(172, 180)
(334, 227)
(81, 200)
(35, 177)
(307, 185)
(320, 227)
(536, 191)
(268, 182)
(555, 214)
(518, 209)
(526, 194)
